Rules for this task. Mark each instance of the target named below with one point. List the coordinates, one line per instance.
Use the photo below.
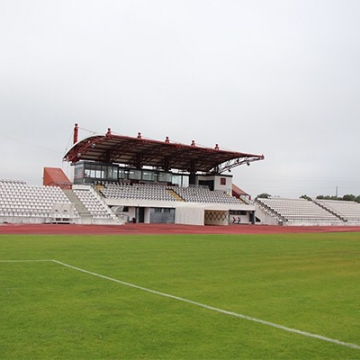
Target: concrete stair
(175, 195)
(239, 199)
(79, 206)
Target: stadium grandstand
(117, 179)
(302, 212)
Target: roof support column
(192, 177)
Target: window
(176, 179)
(121, 174)
(148, 175)
(222, 181)
(112, 173)
(79, 171)
(135, 174)
(164, 177)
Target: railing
(330, 210)
(246, 200)
(271, 211)
(101, 199)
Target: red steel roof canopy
(138, 152)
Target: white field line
(354, 346)
(21, 261)
(304, 333)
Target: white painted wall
(266, 219)
(147, 215)
(177, 204)
(189, 216)
(217, 182)
(227, 187)
(185, 212)
(131, 213)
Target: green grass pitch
(309, 282)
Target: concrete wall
(227, 187)
(147, 216)
(185, 212)
(217, 182)
(265, 218)
(189, 216)
(130, 214)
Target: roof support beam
(236, 162)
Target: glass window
(222, 181)
(176, 179)
(79, 171)
(115, 173)
(164, 177)
(109, 173)
(148, 175)
(135, 174)
(121, 174)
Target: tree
(305, 197)
(349, 197)
(263, 196)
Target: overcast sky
(273, 77)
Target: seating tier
(204, 195)
(348, 210)
(298, 209)
(19, 199)
(159, 192)
(94, 205)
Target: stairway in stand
(175, 195)
(79, 206)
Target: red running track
(148, 229)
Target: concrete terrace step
(79, 206)
(175, 195)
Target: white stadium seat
(17, 199)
